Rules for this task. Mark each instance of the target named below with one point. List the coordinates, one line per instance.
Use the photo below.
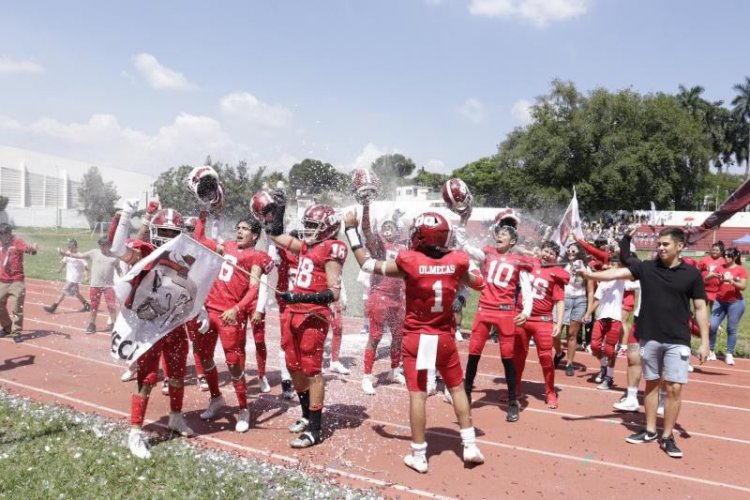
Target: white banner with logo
(569, 226)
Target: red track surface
(578, 449)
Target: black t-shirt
(665, 300)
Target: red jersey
(547, 287)
(431, 286)
(144, 247)
(231, 285)
(287, 269)
(727, 291)
(311, 271)
(502, 276)
(12, 260)
(385, 291)
(709, 264)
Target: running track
(578, 449)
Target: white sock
(603, 361)
(419, 449)
(611, 371)
(282, 363)
(468, 436)
(632, 393)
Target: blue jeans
(733, 311)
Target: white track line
(278, 456)
(526, 449)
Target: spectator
(75, 269)
(729, 303)
(12, 285)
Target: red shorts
(303, 337)
(174, 346)
(447, 363)
(233, 339)
(628, 300)
(605, 335)
(480, 331)
(95, 297)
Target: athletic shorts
(628, 301)
(447, 363)
(671, 359)
(70, 288)
(95, 297)
(575, 308)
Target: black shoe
(558, 357)
(670, 448)
(86, 307)
(17, 338)
(3, 333)
(641, 437)
(50, 308)
(306, 440)
(91, 328)
(513, 410)
(570, 370)
(600, 376)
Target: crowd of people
(589, 293)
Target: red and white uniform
(504, 273)
(286, 267)
(304, 334)
(431, 286)
(709, 264)
(547, 288)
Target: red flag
(736, 202)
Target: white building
(43, 189)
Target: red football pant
(604, 337)
(480, 332)
(541, 332)
(303, 339)
(447, 363)
(233, 339)
(261, 353)
(337, 330)
(381, 318)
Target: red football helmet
(457, 196)
(261, 206)
(364, 184)
(204, 183)
(430, 231)
(165, 225)
(319, 223)
(506, 217)
(390, 230)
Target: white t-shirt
(74, 269)
(609, 294)
(576, 287)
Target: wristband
(352, 234)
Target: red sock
(175, 398)
(335, 346)
(212, 377)
(261, 353)
(138, 405)
(548, 371)
(198, 366)
(369, 359)
(240, 388)
(395, 355)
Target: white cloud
(539, 12)
(472, 110)
(369, 154)
(521, 111)
(159, 76)
(246, 107)
(434, 165)
(10, 66)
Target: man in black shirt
(667, 287)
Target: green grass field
(47, 451)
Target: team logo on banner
(569, 226)
(160, 293)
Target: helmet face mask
(319, 223)
(204, 183)
(165, 225)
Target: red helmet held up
(457, 196)
(319, 223)
(364, 184)
(261, 206)
(506, 217)
(204, 183)
(166, 224)
(430, 231)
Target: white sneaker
(127, 376)
(396, 377)
(177, 423)
(214, 405)
(299, 426)
(109, 322)
(458, 336)
(367, 386)
(472, 455)
(691, 368)
(265, 387)
(165, 387)
(337, 367)
(418, 463)
(137, 444)
(711, 356)
(729, 359)
(626, 404)
(243, 421)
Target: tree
(314, 177)
(431, 180)
(391, 169)
(97, 197)
(741, 104)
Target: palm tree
(741, 105)
(691, 99)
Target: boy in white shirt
(74, 275)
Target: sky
(146, 86)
